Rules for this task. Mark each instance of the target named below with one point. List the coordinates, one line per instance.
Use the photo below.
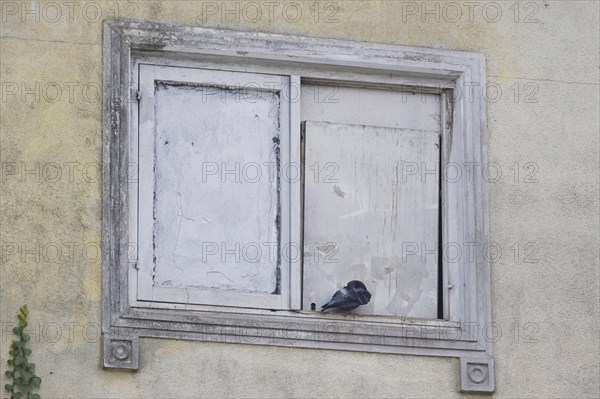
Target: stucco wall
(553, 62)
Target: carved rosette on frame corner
(122, 353)
(477, 374)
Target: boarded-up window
(240, 226)
(370, 214)
(213, 206)
(209, 189)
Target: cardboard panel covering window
(367, 215)
(209, 192)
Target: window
(249, 176)
(210, 224)
(362, 210)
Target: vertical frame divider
(296, 200)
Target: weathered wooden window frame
(464, 204)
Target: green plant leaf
(8, 387)
(8, 373)
(36, 381)
(26, 376)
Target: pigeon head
(356, 284)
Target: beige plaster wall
(553, 61)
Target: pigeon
(353, 295)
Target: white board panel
(364, 215)
(216, 201)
